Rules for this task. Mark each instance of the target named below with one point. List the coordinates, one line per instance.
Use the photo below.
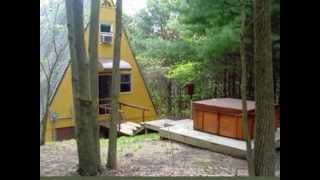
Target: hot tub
(222, 117)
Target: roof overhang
(107, 64)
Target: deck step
(126, 127)
(130, 128)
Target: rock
(128, 155)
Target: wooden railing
(107, 106)
(143, 109)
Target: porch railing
(107, 108)
(143, 109)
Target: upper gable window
(106, 33)
(105, 3)
(105, 28)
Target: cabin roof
(227, 103)
(108, 64)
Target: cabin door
(104, 94)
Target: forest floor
(144, 155)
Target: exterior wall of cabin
(62, 103)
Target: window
(125, 84)
(104, 94)
(105, 33)
(105, 28)
(105, 3)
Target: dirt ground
(153, 157)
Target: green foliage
(183, 73)
(187, 40)
(218, 42)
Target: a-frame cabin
(134, 94)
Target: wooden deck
(182, 131)
(126, 127)
(158, 124)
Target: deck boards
(182, 131)
(126, 127)
(157, 124)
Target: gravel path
(147, 158)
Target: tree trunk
(250, 56)
(180, 103)
(115, 87)
(245, 127)
(82, 100)
(225, 81)
(45, 117)
(274, 84)
(44, 122)
(93, 58)
(234, 94)
(216, 89)
(169, 98)
(264, 148)
(175, 95)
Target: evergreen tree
(264, 147)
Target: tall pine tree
(243, 54)
(264, 147)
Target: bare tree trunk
(169, 99)
(264, 148)
(81, 86)
(225, 82)
(215, 89)
(112, 152)
(245, 127)
(44, 120)
(250, 60)
(93, 58)
(180, 103)
(234, 94)
(175, 95)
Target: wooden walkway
(182, 131)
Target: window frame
(106, 33)
(105, 23)
(120, 93)
(130, 82)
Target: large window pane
(125, 87)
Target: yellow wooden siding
(62, 102)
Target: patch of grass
(59, 143)
(124, 141)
